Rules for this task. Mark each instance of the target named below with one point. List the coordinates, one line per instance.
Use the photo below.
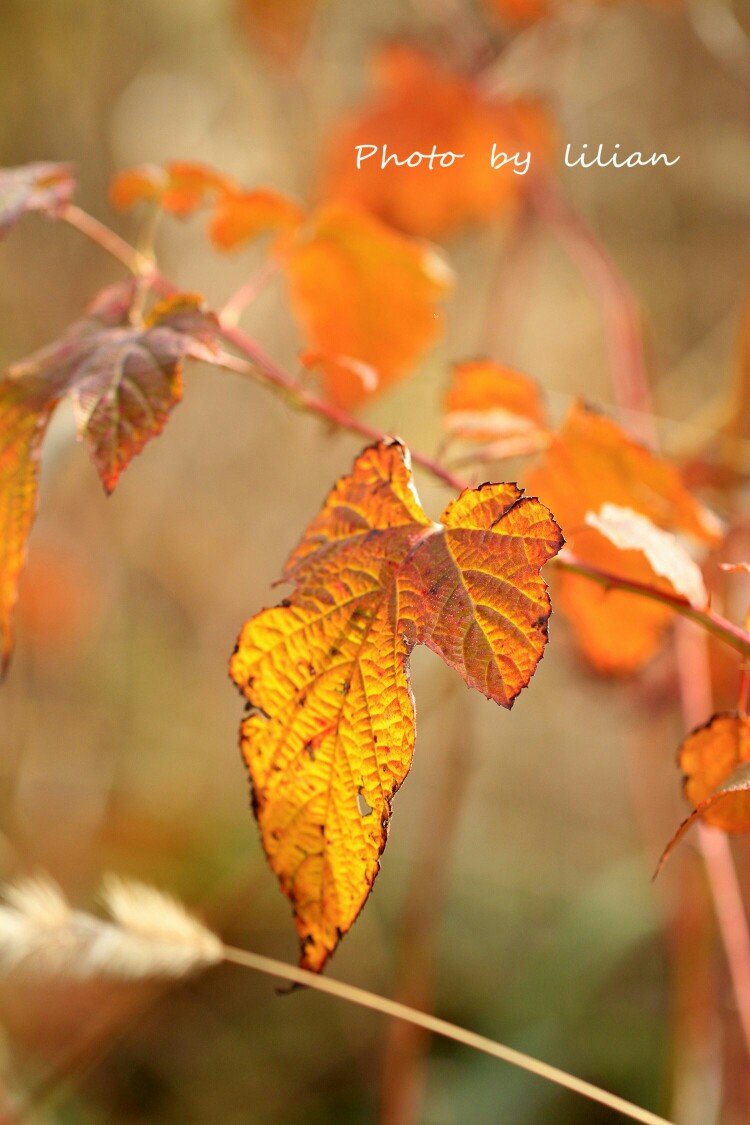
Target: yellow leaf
(330, 732)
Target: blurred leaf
(278, 27)
(715, 759)
(330, 731)
(24, 415)
(241, 216)
(521, 11)
(594, 462)
(182, 188)
(708, 758)
(123, 380)
(419, 104)
(364, 293)
(487, 401)
(630, 531)
(56, 595)
(179, 187)
(33, 187)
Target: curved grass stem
(437, 1026)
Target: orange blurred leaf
(24, 415)
(419, 104)
(708, 757)
(279, 27)
(630, 531)
(521, 12)
(179, 187)
(241, 216)
(364, 293)
(715, 759)
(123, 380)
(238, 216)
(594, 462)
(330, 731)
(33, 187)
(487, 401)
(55, 603)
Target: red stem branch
(305, 400)
(621, 316)
(262, 367)
(697, 704)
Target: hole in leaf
(362, 805)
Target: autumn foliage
(592, 462)
(330, 729)
(417, 100)
(330, 734)
(123, 378)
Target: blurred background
(515, 894)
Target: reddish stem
(743, 695)
(263, 367)
(247, 293)
(274, 375)
(622, 319)
(131, 258)
(697, 705)
(712, 622)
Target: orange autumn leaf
(707, 758)
(715, 760)
(420, 104)
(278, 27)
(55, 602)
(362, 293)
(182, 188)
(179, 187)
(593, 462)
(123, 380)
(241, 216)
(24, 415)
(487, 401)
(630, 531)
(43, 187)
(521, 11)
(329, 735)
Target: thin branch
(262, 368)
(273, 375)
(247, 293)
(697, 704)
(730, 914)
(622, 319)
(437, 1026)
(732, 635)
(97, 232)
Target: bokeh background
(515, 893)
